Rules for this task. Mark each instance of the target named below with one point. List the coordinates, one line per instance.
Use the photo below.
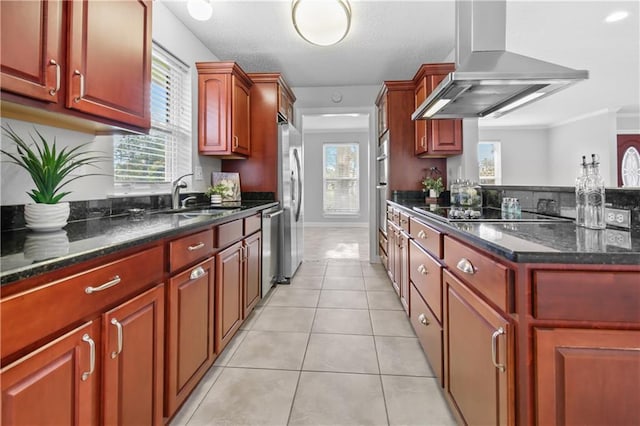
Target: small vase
(433, 193)
(42, 217)
(216, 199)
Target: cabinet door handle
(115, 280)
(78, 98)
(423, 319)
(196, 247)
(119, 329)
(235, 142)
(494, 350)
(55, 90)
(466, 266)
(422, 269)
(197, 273)
(421, 234)
(92, 356)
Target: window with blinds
(341, 179)
(165, 153)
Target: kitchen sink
(196, 211)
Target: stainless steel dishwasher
(271, 219)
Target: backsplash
(13, 216)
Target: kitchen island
(117, 319)
(524, 323)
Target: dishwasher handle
(272, 214)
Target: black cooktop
(483, 214)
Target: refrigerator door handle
(299, 171)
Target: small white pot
(216, 199)
(46, 217)
(433, 193)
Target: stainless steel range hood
(488, 79)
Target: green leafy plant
(433, 183)
(48, 166)
(217, 189)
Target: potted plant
(433, 186)
(50, 169)
(216, 192)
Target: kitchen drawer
(426, 274)
(228, 233)
(385, 260)
(39, 312)
(252, 224)
(427, 237)
(187, 250)
(586, 295)
(488, 277)
(404, 221)
(428, 331)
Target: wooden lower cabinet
(133, 355)
(190, 331)
(587, 376)
(428, 330)
(392, 234)
(479, 363)
(252, 271)
(56, 384)
(402, 260)
(229, 265)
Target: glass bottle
(580, 193)
(594, 194)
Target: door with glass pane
(341, 179)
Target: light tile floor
(333, 348)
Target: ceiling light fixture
(616, 16)
(200, 10)
(321, 22)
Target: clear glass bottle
(594, 194)
(580, 192)
(504, 207)
(516, 210)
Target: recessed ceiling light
(200, 10)
(616, 16)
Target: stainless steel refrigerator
(290, 190)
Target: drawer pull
(92, 356)
(197, 273)
(403, 221)
(494, 349)
(466, 266)
(116, 280)
(422, 234)
(423, 319)
(119, 328)
(422, 269)
(196, 247)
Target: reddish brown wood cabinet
(252, 247)
(190, 331)
(435, 138)
(587, 376)
(395, 104)
(223, 110)
(133, 361)
(271, 101)
(478, 362)
(106, 73)
(229, 304)
(56, 384)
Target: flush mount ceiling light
(616, 16)
(200, 10)
(321, 22)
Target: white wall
(321, 97)
(171, 34)
(525, 154)
(568, 142)
(313, 155)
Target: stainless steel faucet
(183, 204)
(175, 190)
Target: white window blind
(341, 179)
(165, 153)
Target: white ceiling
(390, 39)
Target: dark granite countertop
(26, 253)
(553, 242)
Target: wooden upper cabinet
(224, 110)
(383, 114)
(286, 99)
(32, 60)
(435, 138)
(84, 59)
(109, 70)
